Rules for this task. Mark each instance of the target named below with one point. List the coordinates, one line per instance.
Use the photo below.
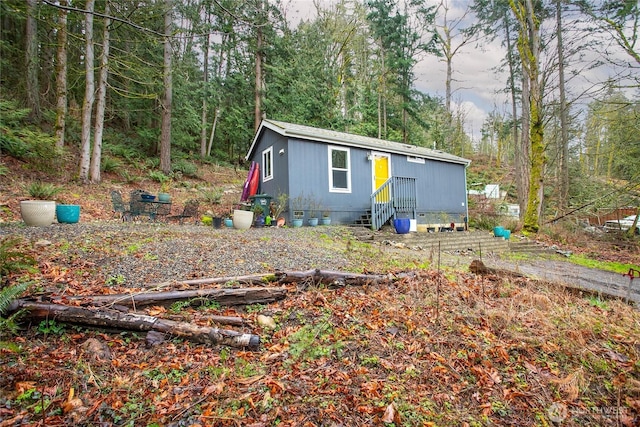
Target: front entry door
(381, 173)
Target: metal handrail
(396, 195)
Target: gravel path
(577, 276)
(137, 255)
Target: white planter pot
(38, 213)
(242, 220)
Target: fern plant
(43, 190)
(7, 296)
(10, 293)
(12, 259)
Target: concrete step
(476, 241)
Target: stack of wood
(119, 311)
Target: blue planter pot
(506, 234)
(68, 214)
(313, 222)
(402, 225)
(228, 222)
(297, 222)
(498, 231)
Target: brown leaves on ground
(424, 350)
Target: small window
(412, 159)
(339, 170)
(267, 164)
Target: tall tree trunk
(529, 49)
(87, 106)
(520, 161)
(563, 201)
(167, 100)
(96, 155)
(205, 94)
(61, 76)
(259, 85)
(32, 63)
(525, 145)
(216, 114)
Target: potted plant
(165, 186)
(277, 207)
(258, 213)
(297, 203)
(326, 217)
(41, 210)
(313, 206)
(220, 213)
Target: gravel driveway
(139, 254)
(136, 255)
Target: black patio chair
(190, 211)
(136, 206)
(118, 205)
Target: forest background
(159, 83)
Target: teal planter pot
(498, 231)
(297, 222)
(228, 222)
(313, 222)
(68, 214)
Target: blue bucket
(68, 214)
(506, 234)
(402, 225)
(498, 231)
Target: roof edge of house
(282, 129)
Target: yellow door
(381, 175)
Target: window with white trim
(412, 159)
(339, 170)
(267, 164)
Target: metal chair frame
(190, 211)
(118, 205)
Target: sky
(478, 88)
(477, 82)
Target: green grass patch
(616, 267)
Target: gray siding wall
(441, 189)
(309, 173)
(303, 169)
(280, 182)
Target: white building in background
(492, 191)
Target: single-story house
(358, 179)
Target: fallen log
(241, 296)
(319, 276)
(231, 296)
(225, 320)
(135, 322)
(254, 279)
(330, 277)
